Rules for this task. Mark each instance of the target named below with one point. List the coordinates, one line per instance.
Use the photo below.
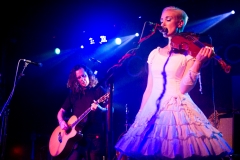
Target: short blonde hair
(181, 15)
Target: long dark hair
(73, 83)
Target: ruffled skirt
(176, 128)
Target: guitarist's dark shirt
(78, 103)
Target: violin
(185, 42)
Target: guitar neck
(80, 118)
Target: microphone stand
(110, 82)
(109, 78)
(5, 113)
(126, 118)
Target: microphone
(31, 62)
(159, 27)
(94, 60)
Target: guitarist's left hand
(95, 105)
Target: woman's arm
(148, 89)
(191, 73)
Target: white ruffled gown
(170, 124)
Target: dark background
(33, 29)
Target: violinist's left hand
(204, 54)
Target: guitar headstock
(103, 98)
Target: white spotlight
(118, 41)
(136, 34)
(57, 51)
(233, 12)
(82, 46)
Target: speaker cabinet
(231, 131)
(226, 127)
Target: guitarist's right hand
(63, 125)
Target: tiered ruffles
(177, 128)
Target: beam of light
(50, 60)
(108, 50)
(205, 24)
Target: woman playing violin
(169, 124)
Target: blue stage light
(57, 51)
(118, 41)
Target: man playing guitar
(84, 93)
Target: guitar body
(62, 142)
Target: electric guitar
(62, 141)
